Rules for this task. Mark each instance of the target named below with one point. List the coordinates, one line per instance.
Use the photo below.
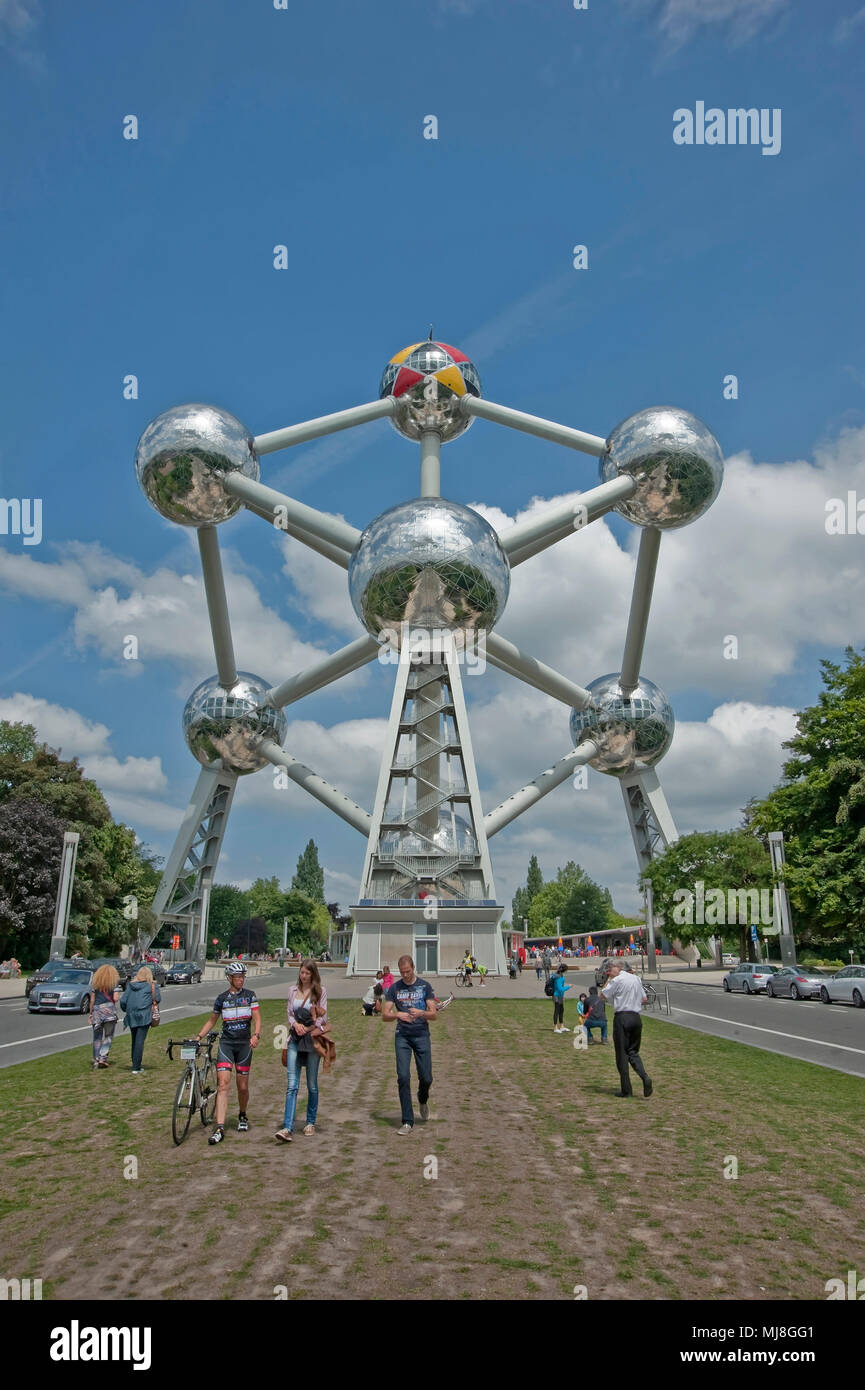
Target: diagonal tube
(536, 533)
(305, 521)
(644, 579)
(217, 606)
(533, 791)
(323, 424)
(331, 668)
(508, 657)
(533, 424)
(329, 796)
(330, 552)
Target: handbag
(155, 1020)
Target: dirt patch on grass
(529, 1179)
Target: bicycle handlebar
(197, 1043)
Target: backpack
(548, 989)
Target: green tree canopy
(571, 896)
(309, 875)
(228, 906)
(720, 859)
(820, 807)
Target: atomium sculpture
(429, 581)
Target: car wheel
(857, 999)
(794, 993)
(770, 990)
(746, 988)
(85, 1005)
(726, 984)
(825, 995)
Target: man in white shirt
(625, 992)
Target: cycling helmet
(235, 967)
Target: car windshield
(69, 977)
(182, 965)
(766, 969)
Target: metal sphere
(431, 564)
(454, 835)
(428, 381)
(182, 457)
(229, 724)
(676, 460)
(632, 731)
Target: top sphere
(432, 564)
(427, 381)
(230, 724)
(182, 457)
(632, 731)
(676, 461)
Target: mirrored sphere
(182, 457)
(633, 732)
(453, 836)
(676, 460)
(428, 381)
(431, 564)
(229, 724)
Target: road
(813, 1032)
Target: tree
(727, 860)
(249, 936)
(309, 875)
(534, 880)
(573, 898)
(228, 905)
(820, 807)
(31, 846)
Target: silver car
(67, 991)
(847, 987)
(798, 981)
(749, 977)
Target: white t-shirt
(625, 992)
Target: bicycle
(463, 975)
(651, 995)
(196, 1089)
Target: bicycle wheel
(651, 996)
(207, 1083)
(184, 1101)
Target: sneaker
(309, 1129)
(217, 1136)
(242, 1124)
(564, 1029)
(405, 1129)
(136, 1073)
(647, 1088)
(424, 1109)
(443, 1003)
(283, 1135)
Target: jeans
(102, 1035)
(627, 1033)
(138, 1038)
(422, 1049)
(293, 1063)
(558, 1013)
(601, 1023)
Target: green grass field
(529, 1179)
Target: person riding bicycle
(241, 1030)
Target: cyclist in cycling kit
(241, 1030)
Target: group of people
(139, 1001)
(624, 990)
(371, 1003)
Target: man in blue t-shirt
(410, 1002)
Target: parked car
(799, 981)
(67, 991)
(728, 959)
(50, 968)
(749, 977)
(159, 972)
(182, 972)
(846, 987)
(602, 973)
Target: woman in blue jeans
(307, 1014)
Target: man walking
(410, 1002)
(547, 963)
(625, 992)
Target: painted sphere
(182, 457)
(431, 564)
(676, 461)
(229, 724)
(632, 731)
(428, 381)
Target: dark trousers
(627, 1033)
(422, 1050)
(138, 1038)
(558, 1012)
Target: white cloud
(679, 21)
(55, 725)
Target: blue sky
(304, 127)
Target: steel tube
(358, 653)
(533, 424)
(430, 464)
(536, 533)
(502, 653)
(305, 521)
(217, 606)
(330, 552)
(329, 796)
(533, 791)
(323, 424)
(641, 599)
